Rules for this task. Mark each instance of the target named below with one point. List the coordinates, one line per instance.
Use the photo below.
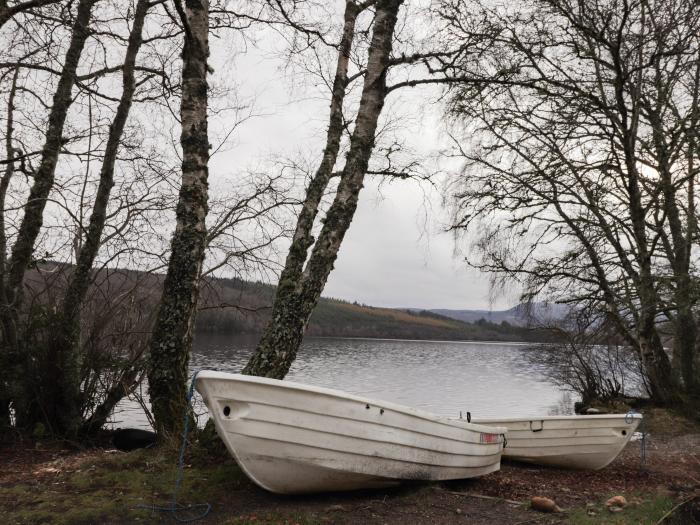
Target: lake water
(486, 379)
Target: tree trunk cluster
(299, 290)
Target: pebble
(616, 501)
(47, 470)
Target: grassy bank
(48, 483)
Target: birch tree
(299, 289)
(172, 335)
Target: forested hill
(238, 306)
(344, 319)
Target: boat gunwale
(518, 445)
(329, 392)
(632, 415)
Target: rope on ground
(629, 418)
(175, 508)
(482, 496)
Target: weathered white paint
(581, 442)
(294, 438)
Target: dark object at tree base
(128, 439)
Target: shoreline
(455, 341)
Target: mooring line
(174, 508)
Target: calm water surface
(486, 379)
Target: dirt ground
(48, 483)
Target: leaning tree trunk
(11, 359)
(62, 407)
(172, 335)
(283, 335)
(290, 279)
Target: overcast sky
(396, 253)
(388, 258)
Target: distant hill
(520, 315)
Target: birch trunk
(6, 379)
(287, 291)
(172, 335)
(64, 406)
(285, 332)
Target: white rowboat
(580, 442)
(293, 438)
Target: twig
(481, 496)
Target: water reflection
(486, 379)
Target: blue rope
(174, 506)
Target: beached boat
(294, 438)
(579, 442)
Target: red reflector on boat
(489, 438)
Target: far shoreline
(251, 335)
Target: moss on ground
(111, 489)
(641, 510)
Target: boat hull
(578, 442)
(293, 438)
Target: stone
(544, 504)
